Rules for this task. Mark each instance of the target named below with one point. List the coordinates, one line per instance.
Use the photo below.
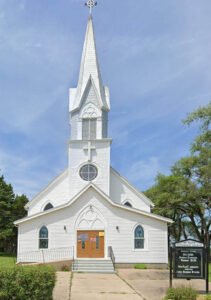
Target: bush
(140, 266)
(182, 293)
(27, 283)
(65, 268)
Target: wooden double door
(90, 244)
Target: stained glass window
(43, 238)
(139, 237)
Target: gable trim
(51, 184)
(137, 192)
(91, 185)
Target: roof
(106, 197)
(134, 189)
(45, 189)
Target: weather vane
(91, 4)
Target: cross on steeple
(89, 148)
(91, 4)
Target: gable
(122, 191)
(104, 197)
(56, 193)
(90, 95)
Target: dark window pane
(139, 232)
(43, 232)
(97, 242)
(48, 206)
(139, 243)
(83, 245)
(43, 243)
(128, 204)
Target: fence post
(207, 270)
(43, 256)
(170, 278)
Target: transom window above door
(89, 127)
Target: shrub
(140, 266)
(182, 293)
(65, 268)
(27, 283)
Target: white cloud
(144, 169)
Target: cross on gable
(89, 148)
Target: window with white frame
(48, 206)
(43, 238)
(89, 127)
(139, 237)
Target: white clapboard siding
(62, 227)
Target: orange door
(90, 244)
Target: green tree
(185, 195)
(11, 209)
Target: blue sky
(154, 56)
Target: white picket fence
(46, 255)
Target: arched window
(139, 237)
(43, 238)
(127, 204)
(48, 206)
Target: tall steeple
(89, 73)
(89, 145)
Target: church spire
(89, 71)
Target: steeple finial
(91, 4)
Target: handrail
(111, 255)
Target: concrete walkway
(62, 287)
(101, 287)
(129, 284)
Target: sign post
(189, 259)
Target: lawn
(7, 260)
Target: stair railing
(111, 255)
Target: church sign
(189, 262)
(189, 259)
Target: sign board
(93, 239)
(190, 258)
(101, 233)
(83, 237)
(189, 263)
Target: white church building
(90, 212)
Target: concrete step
(93, 266)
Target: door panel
(90, 244)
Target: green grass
(140, 266)
(7, 261)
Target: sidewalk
(129, 284)
(62, 287)
(101, 287)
